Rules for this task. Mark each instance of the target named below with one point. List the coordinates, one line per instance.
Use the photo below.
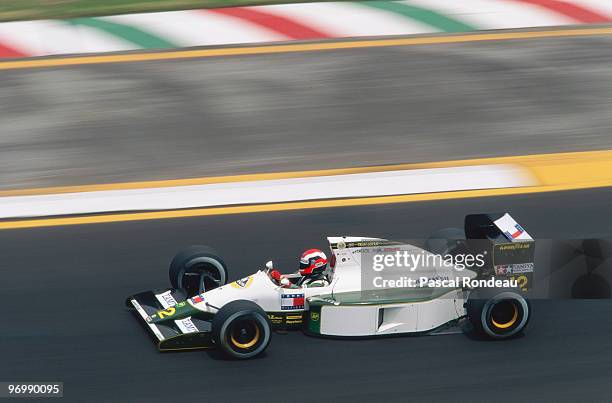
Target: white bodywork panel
(348, 268)
(260, 289)
(410, 317)
(343, 319)
(357, 320)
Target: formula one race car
(202, 311)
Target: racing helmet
(312, 262)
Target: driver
(313, 264)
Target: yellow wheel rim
(249, 343)
(511, 322)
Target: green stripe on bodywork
(314, 320)
(137, 36)
(429, 17)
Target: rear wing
(508, 248)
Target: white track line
(269, 191)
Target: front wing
(189, 333)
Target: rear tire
(498, 314)
(197, 269)
(241, 329)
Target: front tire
(241, 329)
(498, 314)
(197, 269)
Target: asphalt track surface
(312, 110)
(63, 317)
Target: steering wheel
(268, 271)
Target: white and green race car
(202, 311)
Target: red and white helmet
(312, 261)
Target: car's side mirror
(269, 265)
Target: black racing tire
(241, 329)
(445, 240)
(197, 269)
(498, 313)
